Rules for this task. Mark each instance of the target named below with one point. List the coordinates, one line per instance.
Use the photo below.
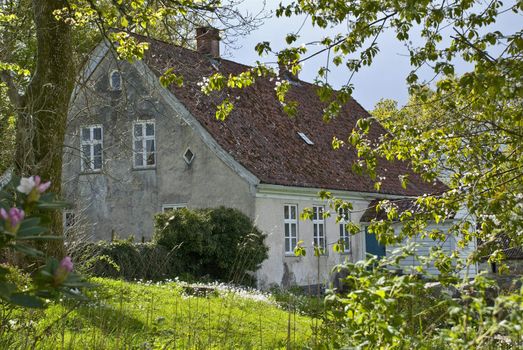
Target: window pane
(138, 146)
(69, 219)
(86, 152)
(287, 233)
(286, 212)
(293, 230)
(149, 129)
(138, 130)
(97, 133)
(97, 162)
(86, 134)
(116, 80)
(150, 158)
(138, 159)
(287, 245)
(149, 146)
(97, 150)
(293, 212)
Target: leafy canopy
(466, 129)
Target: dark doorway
(372, 245)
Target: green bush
(221, 243)
(128, 260)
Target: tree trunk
(42, 120)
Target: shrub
(222, 243)
(380, 309)
(185, 230)
(127, 260)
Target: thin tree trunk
(42, 120)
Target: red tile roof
(265, 140)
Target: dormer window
(116, 80)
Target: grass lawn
(124, 315)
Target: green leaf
(52, 205)
(27, 250)
(26, 300)
(25, 232)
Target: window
(343, 220)
(144, 149)
(318, 223)
(91, 146)
(290, 223)
(188, 156)
(69, 219)
(167, 207)
(116, 80)
(305, 138)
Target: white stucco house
(134, 148)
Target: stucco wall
(123, 199)
(289, 270)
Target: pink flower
(12, 219)
(66, 264)
(16, 216)
(63, 269)
(41, 187)
(33, 187)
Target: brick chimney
(285, 72)
(208, 41)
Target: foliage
(222, 242)
(386, 310)
(148, 315)
(471, 124)
(24, 214)
(127, 260)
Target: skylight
(306, 138)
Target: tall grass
(125, 315)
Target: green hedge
(128, 260)
(220, 243)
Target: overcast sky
(384, 79)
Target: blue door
(372, 245)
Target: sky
(385, 79)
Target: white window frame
(290, 238)
(319, 234)
(344, 216)
(91, 143)
(113, 88)
(166, 207)
(144, 138)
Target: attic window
(116, 80)
(306, 138)
(188, 156)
